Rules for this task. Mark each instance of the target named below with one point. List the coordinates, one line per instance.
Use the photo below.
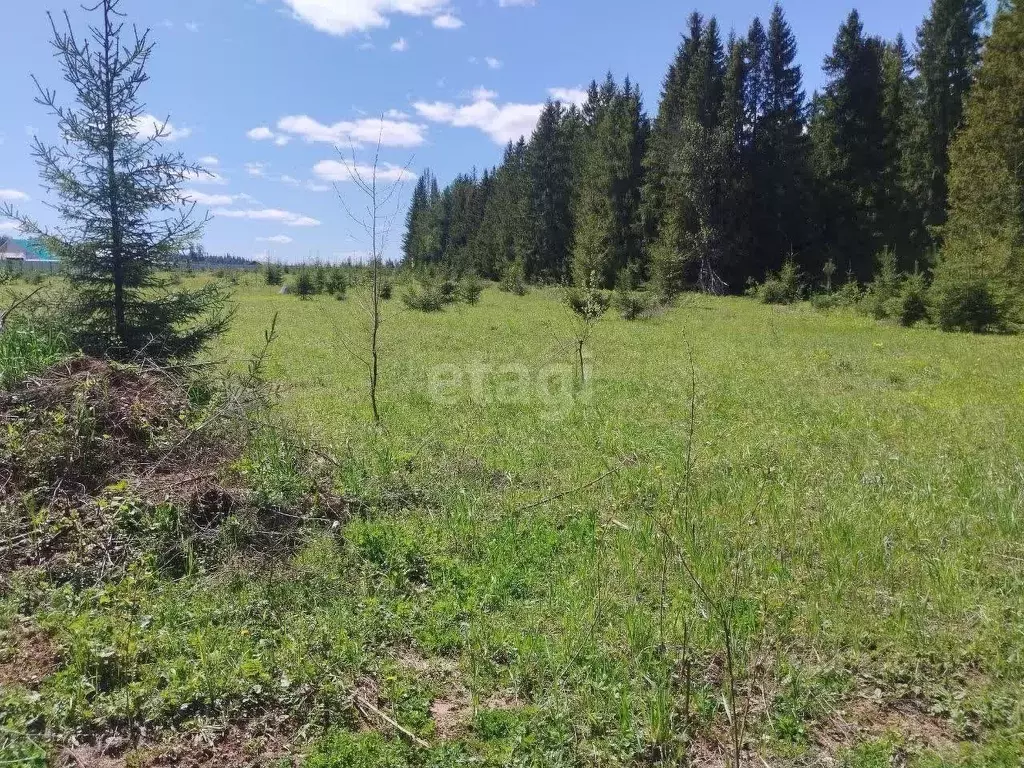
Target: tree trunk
(117, 246)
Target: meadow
(766, 533)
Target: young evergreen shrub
(825, 301)
(882, 299)
(632, 305)
(322, 278)
(850, 294)
(272, 274)
(913, 300)
(587, 302)
(385, 289)
(969, 306)
(513, 280)
(469, 289)
(447, 289)
(783, 288)
(304, 286)
(427, 298)
(336, 283)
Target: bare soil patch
(27, 656)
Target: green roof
(34, 250)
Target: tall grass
(28, 345)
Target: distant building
(26, 251)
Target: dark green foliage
(424, 298)
(587, 301)
(513, 280)
(949, 45)
(469, 289)
(664, 142)
(305, 286)
(737, 174)
(432, 294)
(334, 282)
(690, 239)
(119, 201)
(549, 170)
(979, 280)
(632, 305)
(969, 306)
(608, 227)
(882, 298)
(849, 138)
(502, 238)
(785, 287)
(273, 274)
(776, 148)
(385, 289)
(913, 300)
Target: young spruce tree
(123, 216)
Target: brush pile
(102, 463)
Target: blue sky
(263, 90)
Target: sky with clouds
(264, 92)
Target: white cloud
(269, 214)
(400, 45)
(396, 114)
(10, 226)
(148, 125)
(492, 62)
(279, 239)
(341, 17)
(256, 169)
(312, 186)
(209, 160)
(447, 21)
(204, 199)
(502, 123)
(191, 26)
(568, 95)
(281, 141)
(366, 45)
(260, 134)
(483, 94)
(392, 133)
(334, 170)
(12, 194)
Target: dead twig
(17, 303)
(626, 462)
(363, 706)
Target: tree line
(739, 171)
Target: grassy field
(795, 531)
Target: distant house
(26, 251)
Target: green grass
(847, 502)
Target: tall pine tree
(848, 134)
(609, 231)
(667, 131)
(549, 165)
(949, 44)
(777, 148)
